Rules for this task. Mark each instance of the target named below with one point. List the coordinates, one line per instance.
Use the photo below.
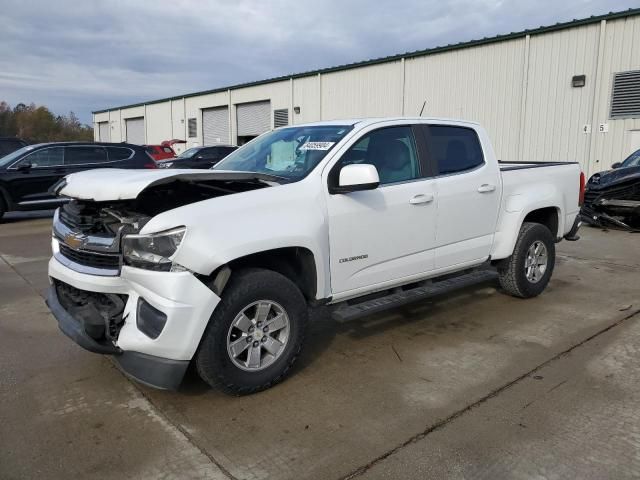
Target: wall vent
(625, 97)
(193, 127)
(281, 117)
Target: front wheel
(527, 272)
(255, 333)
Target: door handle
(421, 198)
(486, 188)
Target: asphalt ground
(475, 384)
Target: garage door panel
(253, 118)
(135, 130)
(215, 126)
(103, 132)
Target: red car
(160, 152)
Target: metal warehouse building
(567, 92)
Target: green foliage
(38, 124)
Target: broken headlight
(153, 251)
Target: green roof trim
(392, 58)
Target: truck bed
(506, 166)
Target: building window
(625, 96)
(193, 127)
(281, 117)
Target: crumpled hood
(111, 184)
(612, 177)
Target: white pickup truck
(220, 267)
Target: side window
(47, 157)
(84, 155)
(391, 150)
(454, 149)
(167, 150)
(118, 153)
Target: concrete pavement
(433, 389)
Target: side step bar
(345, 312)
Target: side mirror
(24, 166)
(616, 165)
(357, 177)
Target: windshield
(8, 159)
(290, 153)
(188, 153)
(632, 160)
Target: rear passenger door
(468, 195)
(78, 158)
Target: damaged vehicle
(612, 198)
(221, 267)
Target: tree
(38, 124)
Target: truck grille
(91, 259)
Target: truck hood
(112, 184)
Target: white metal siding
(519, 89)
(135, 130)
(103, 132)
(372, 91)
(215, 125)
(253, 118)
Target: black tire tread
(509, 272)
(241, 284)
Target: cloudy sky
(94, 54)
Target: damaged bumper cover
(615, 206)
(151, 334)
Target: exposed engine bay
(116, 218)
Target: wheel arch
(298, 264)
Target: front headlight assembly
(153, 251)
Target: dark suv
(10, 144)
(198, 157)
(27, 174)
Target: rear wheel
(527, 272)
(255, 333)
(3, 209)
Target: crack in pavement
(442, 423)
(599, 260)
(156, 410)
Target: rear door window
(46, 157)
(119, 153)
(453, 149)
(88, 155)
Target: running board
(346, 312)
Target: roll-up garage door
(103, 132)
(135, 130)
(215, 125)
(253, 118)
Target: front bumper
(184, 300)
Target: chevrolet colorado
(220, 267)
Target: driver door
(381, 236)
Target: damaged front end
(612, 204)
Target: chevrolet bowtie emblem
(74, 240)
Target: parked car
(27, 174)
(160, 152)
(10, 144)
(198, 157)
(221, 267)
(612, 198)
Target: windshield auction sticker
(317, 146)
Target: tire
(516, 278)
(3, 209)
(243, 294)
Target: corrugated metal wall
(519, 89)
